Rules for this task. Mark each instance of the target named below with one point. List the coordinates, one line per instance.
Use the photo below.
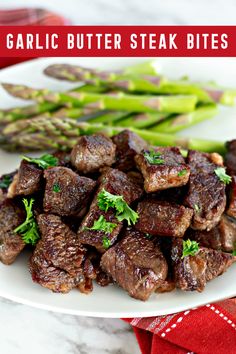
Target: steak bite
(193, 272)
(115, 182)
(231, 208)
(128, 145)
(162, 168)
(93, 152)
(57, 260)
(230, 162)
(11, 244)
(28, 179)
(44, 273)
(161, 218)
(206, 193)
(230, 157)
(61, 245)
(66, 192)
(136, 264)
(221, 237)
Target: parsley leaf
(102, 225)
(222, 175)
(153, 157)
(107, 200)
(56, 188)
(184, 152)
(106, 242)
(196, 208)
(182, 173)
(190, 248)
(43, 161)
(5, 181)
(234, 253)
(29, 228)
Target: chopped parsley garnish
(234, 253)
(190, 248)
(222, 175)
(29, 228)
(106, 242)
(148, 236)
(184, 152)
(56, 188)
(102, 225)
(182, 173)
(153, 157)
(44, 161)
(196, 208)
(5, 181)
(107, 200)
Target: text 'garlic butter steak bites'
(57, 260)
(162, 168)
(93, 152)
(206, 192)
(66, 193)
(115, 182)
(161, 218)
(136, 264)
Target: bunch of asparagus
(136, 98)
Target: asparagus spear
(143, 83)
(116, 101)
(141, 120)
(38, 134)
(182, 121)
(11, 115)
(77, 73)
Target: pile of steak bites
(176, 198)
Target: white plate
(15, 280)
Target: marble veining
(24, 329)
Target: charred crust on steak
(166, 175)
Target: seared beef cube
(169, 171)
(230, 157)
(206, 193)
(11, 244)
(57, 260)
(161, 218)
(63, 158)
(5, 183)
(128, 145)
(231, 209)
(61, 245)
(136, 264)
(193, 272)
(114, 182)
(230, 162)
(66, 192)
(167, 286)
(44, 273)
(221, 237)
(29, 179)
(93, 152)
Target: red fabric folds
(205, 330)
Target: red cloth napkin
(28, 17)
(210, 329)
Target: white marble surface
(23, 329)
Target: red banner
(118, 41)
